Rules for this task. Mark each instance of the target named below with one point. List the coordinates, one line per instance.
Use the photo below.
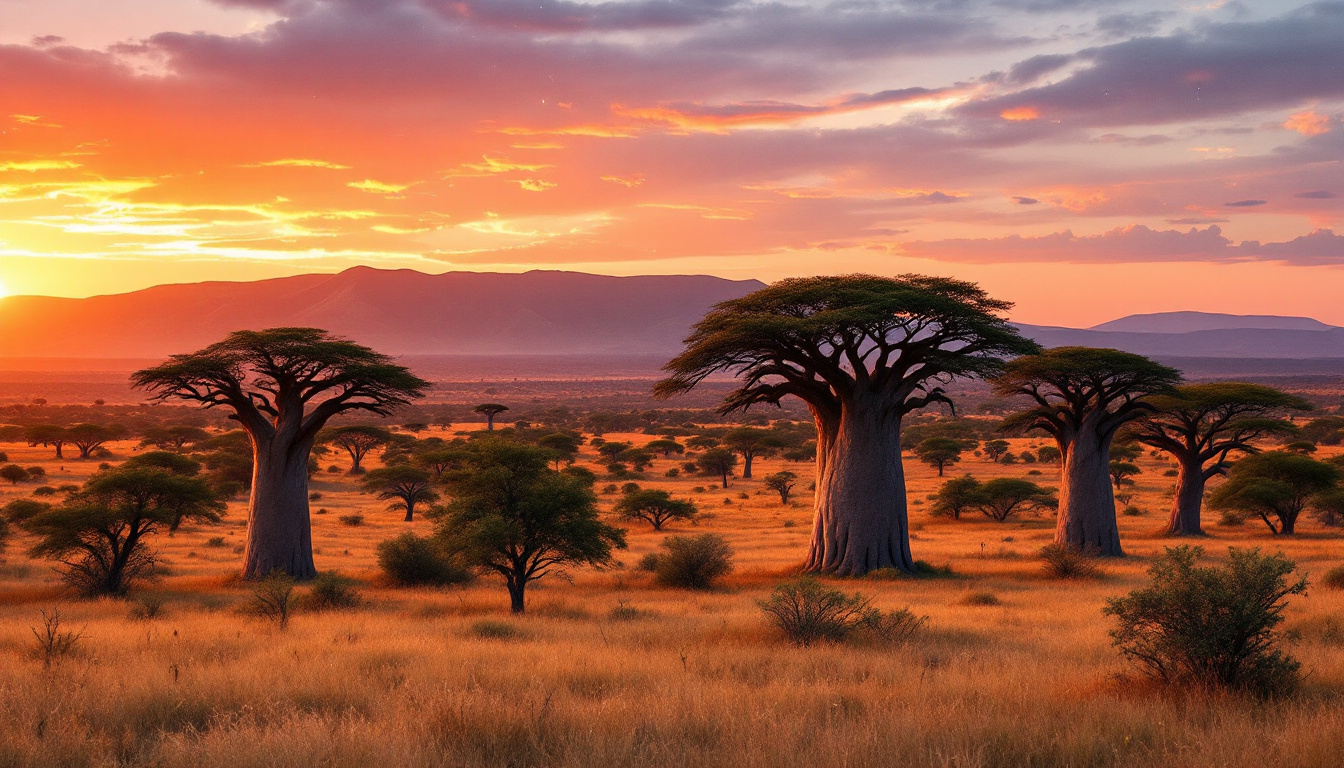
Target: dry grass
(412, 678)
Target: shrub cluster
(415, 561)
(692, 562)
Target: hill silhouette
(395, 311)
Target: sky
(1086, 159)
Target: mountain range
(403, 312)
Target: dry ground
(423, 678)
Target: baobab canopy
(861, 351)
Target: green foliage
(809, 612)
(1276, 486)
(997, 499)
(21, 510)
(512, 514)
(1121, 471)
(693, 562)
(781, 483)
(939, 452)
(1048, 454)
(13, 473)
(717, 462)
(995, 448)
(99, 535)
(413, 561)
(406, 484)
(272, 597)
(657, 507)
(955, 497)
(332, 591)
(356, 440)
(1211, 626)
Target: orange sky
(1086, 160)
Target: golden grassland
(448, 677)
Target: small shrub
(351, 520)
(1064, 563)
(890, 627)
(648, 562)
(333, 470)
(332, 591)
(1211, 626)
(315, 496)
(146, 607)
(52, 642)
(981, 598)
(694, 562)
(629, 488)
(1132, 511)
(1171, 473)
(273, 598)
(609, 488)
(790, 523)
(1231, 518)
(321, 511)
(673, 472)
(412, 561)
(698, 489)
(624, 612)
(215, 541)
(494, 629)
(1334, 578)
(44, 490)
(809, 612)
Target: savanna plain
(1013, 667)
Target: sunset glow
(240, 139)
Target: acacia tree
(1001, 497)
(174, 438)
(939, 452)
(90, 437)
(512, 514)
(781, 483)
(1201, 426)
(1277, 486)
(408, 485)
(356, 440)
(1083, 396)
(282, 386)
(490, 411)
(717, 462)
(99, 534)
(862, 352)
(47, 435)
(752, 443)
(654, 506)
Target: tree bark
(746, 465)
(860, 523)
(516, 589)
(1086, 499)
(1189, 501)
(279, 533)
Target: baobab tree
(490, 411)
(282, 386)
(1202, 426)
(1083, 396)
(862, 352)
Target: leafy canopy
(823, 339)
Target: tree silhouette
(356, 440)
(1201, 426)
(862, 352)
(282, 386)
(90, 437)
(1083, 396)
(47, 435)
(408, 485)
(781, 483)
(995, 449)
(490, 411)
(717, 462)
(173, 438)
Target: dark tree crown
(1071, 384)
(263, 375)
(824, 338)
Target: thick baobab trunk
(1086, 500)
(1185, 508)
(860, 522)
(279, 533)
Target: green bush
(1211, 626)
(351, 520)
(332, 591)
(412, 561)
(693, 562)
(809, 612)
